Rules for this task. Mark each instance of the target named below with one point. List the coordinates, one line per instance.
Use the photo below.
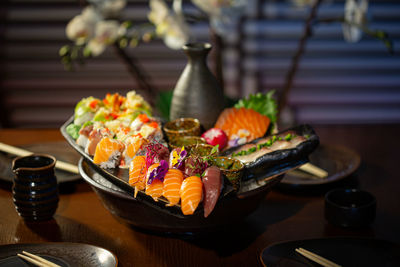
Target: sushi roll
(108, 153)
(84, 133)
(133, 145)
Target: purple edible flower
(180, 159)
(159, 172)
(233, 142)
(153, 151)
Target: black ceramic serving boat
(280, 161)
(144, 212)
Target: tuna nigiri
(232, 120)
(108, 153)
(172, 185)
(191, 194)
(137, 173)
(212, 182)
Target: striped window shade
(336, 82)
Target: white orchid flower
(82, 27)
(169, 26)
(106, 34)
(355, 12)
(109, 8)
(223, 14)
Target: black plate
(63, 254)
(338, 161)
(60, 150)
(345, 251)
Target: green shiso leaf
(262, 103)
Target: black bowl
(350, 207)
(148, 215)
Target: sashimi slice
(212, 182)
(172, 185)
(108, 153)
(137, 173)
(191, 194)
(232, 120)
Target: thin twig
(138, 74)
(216, 55)
(297, 56)
(377, 34)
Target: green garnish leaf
(262, 103)
(73, 130)
(88, 123)
(215, 150)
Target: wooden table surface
(282, 216)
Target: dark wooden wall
(337, 82)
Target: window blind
(337, 82)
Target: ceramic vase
(197, 93)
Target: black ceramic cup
(35, 191)
(350, 207)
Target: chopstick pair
(316, 258)
(65, 166)
(38, 261)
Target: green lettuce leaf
(262, 103)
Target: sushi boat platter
(154, 178)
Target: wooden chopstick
(37, 260)
(316, 258)
(22, 152)
(314, 170)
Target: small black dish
(350, 207)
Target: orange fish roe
(93, 104)
(143, 118)
(153, 124)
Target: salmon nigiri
(191, 193)
(172, 185)
(154, 179)
(108, 152)
(137, 173)
(232, 120)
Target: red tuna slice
(212, 183)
